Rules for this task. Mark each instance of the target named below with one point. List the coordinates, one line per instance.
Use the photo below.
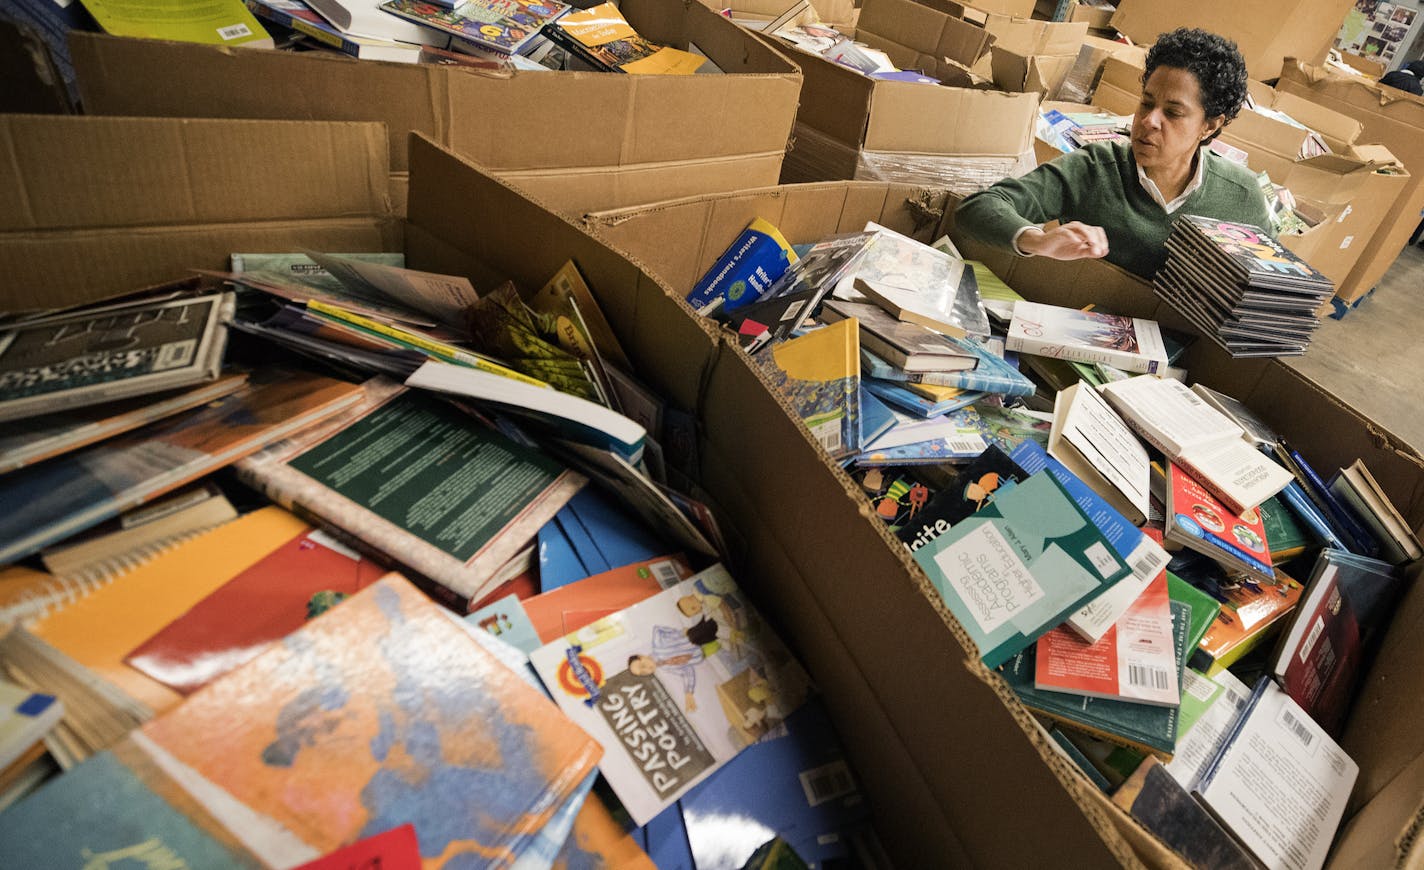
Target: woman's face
(1170, 123)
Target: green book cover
(1285, 536)
(1199, 692)
(1019, 566)
(1204, 607)
(1140, 726)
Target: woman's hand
(1070, 241)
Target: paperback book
(695, 663)
(606, 41)
(798, 292)
(754, 261)
(1092, 441)
(504, 26)
(917, 283)
(1129, 343)
(1197, 520)
(991, 374)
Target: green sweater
(1098, 185)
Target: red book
(1134, 661)
(265, 603)
(1197, 520)
(565, 610)
(395, 849)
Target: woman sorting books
(1117, 200)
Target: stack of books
(1242, 288)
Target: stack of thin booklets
(1242, 288)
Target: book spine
(1128, 362)
(440, 350)
(1299, 503)
(1364, 543)
(887, 351)
(285, 19)
(1212, 487)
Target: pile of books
(349, 453)
(797, 26)
(1242, 287)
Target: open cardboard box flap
(82, 220)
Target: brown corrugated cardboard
(1266, 32)
(918, 37)
(1369, 66)
(95, 207)
(1120, 87)
(810, 572)
(1390, 118)
(1096, 17)
(582, 140)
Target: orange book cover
(565, 610)
(380, 712)
(599, 841)
(99, 630)
(1251, 609)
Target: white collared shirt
(1151, 187)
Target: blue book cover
(907, 400)
(109, 811)
(590, 535)
(1346, 526)
(746, 270)
(967, 442)
(506, 620)
(665, 841)
(797, 786)
(875, 417)
(1019, 566)
(992, 374)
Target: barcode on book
(1301, 730)
(828, 434)
(665, 573)
(236, 31)
(966, 444)
(1150, 564)
(1311, 638)
(1148, 678)
(827, 782)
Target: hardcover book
(1164, 807)
(1019, 566)
(911, 347)
(1346, 605)
(82, 489)
(109, 353)
(1129, 343)
(1357, 488)
(819, 376)
(390, 709)
(696, 664)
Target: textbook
(415, 723)
(695, 664)
(1199, 438)
(25, 442)
(1321, 658)
(1272, 750)
(818, 374)
(112, 352)
(421, 484)
(82, 489)
(1092, 441)
(291, 581)
(1129, 343)
(745, 271)
(1019, 566)
(911, 347)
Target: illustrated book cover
(1132, 344)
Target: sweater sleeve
(996, 213)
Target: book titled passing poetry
(1019, 566)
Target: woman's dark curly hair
(1214, 60)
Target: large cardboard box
(969, 779)
(1119, 89)
(1388, 117)
(581, 140)
(1267, 31)
(97, 207)
(956, 771)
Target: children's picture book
(1146, 728)
(1197, 520)
(694, 664)
(1347, 601)
(1092, 441)
(1163, 806)
(977, 484)
(1019, 566)
(389, 707)
(909, 346)
(1134, 660)
(82, 489)
(755, 260)
(505, 26)
(1279, 783)
(1199, 438)
(290, 582)
(819, 376)
(602, 37)
(35, 439)
(112, 352)
(466, 499)
(1132, 344)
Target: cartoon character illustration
(982, 490)
(679, 652)
(713, 606)
(919, 494)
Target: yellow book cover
(219, 22)
(99, 630)
(819, 375)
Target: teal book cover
(1020, 566)
(111, 811)
(1139, 726)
